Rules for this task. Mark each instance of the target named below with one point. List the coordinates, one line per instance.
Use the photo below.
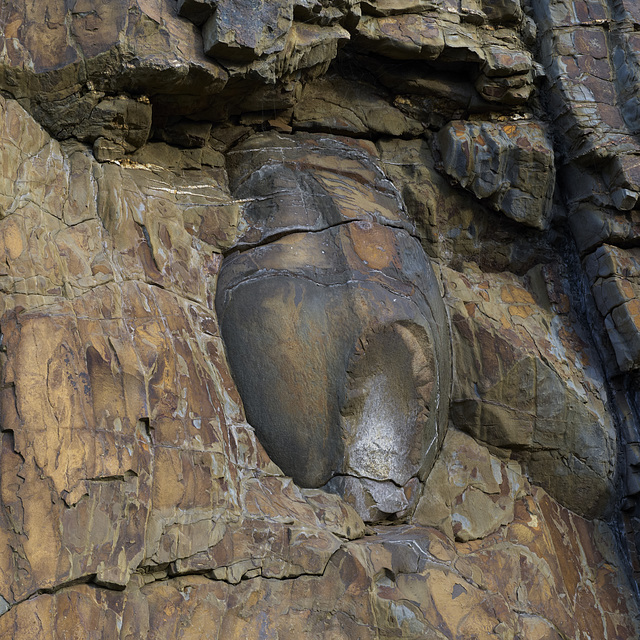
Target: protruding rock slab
(62, 57)
(615, 281)
(243, 30)
(402, 37)
(508, 164)
(349, 107)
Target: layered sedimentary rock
(537, 577)
(319, 319)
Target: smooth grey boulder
(334, 325)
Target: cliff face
(319, 319)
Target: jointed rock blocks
(508, 164)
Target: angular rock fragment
(470, 494)
(505, 90)
(242, 30)
(62, 60)
(327, 12)
(402, 37)
(395, 7)
(186, 134)
(451, 221)
(510, 165)
(123, 122)
(349, 107)
(614, 274)
(311, 47)
(503, 11)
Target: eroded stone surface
(62, 59)
(124, 445)
(515, 338)
(537, 578)
(470, 493)
(613, 273)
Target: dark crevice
(88, 579)
(274, 237)
(369, 135)
(145, 423)
(364, 477)
(147, 239)
(116, 478)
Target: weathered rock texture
(533, 386)
(509, 164)
(409, 581)
(274, 270)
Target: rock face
(536, 576)
(319, 319)
(534, 389)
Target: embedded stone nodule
(334, 324)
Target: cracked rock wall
(319, 319)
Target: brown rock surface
(524, 581)
(389, 215)
(613, 273)
(531, 383)
(124, 443)
(469, 494)
(62, 59)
